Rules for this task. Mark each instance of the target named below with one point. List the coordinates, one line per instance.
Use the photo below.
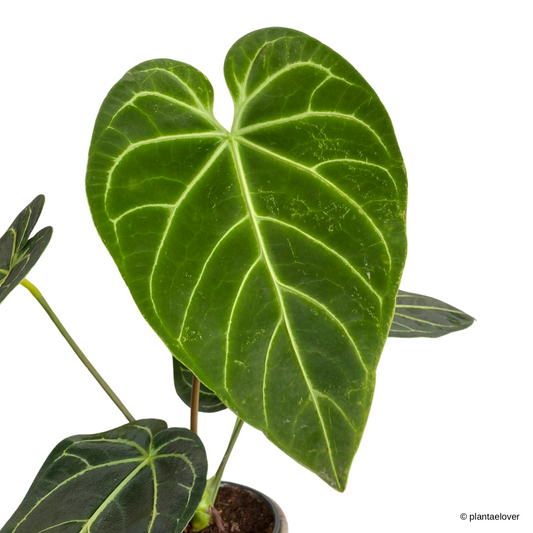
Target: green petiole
(202, 516)
(39, 297)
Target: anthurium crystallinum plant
(267, 258)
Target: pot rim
(279, 517)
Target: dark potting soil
(240, 512)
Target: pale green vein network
(328, 249)
(203, 270)
(264, 255)
(140, 207)
(68, 480)
(401, 326)
(154, 140)
(189, 90)
(240, 108)
(197, 178)
(154, 507)
(111, 497)
(180, 455)
(14, 245)
(406, 327)
(30, 211)
(131, 443)
(242, 85)
(432, 308)
(314, 173)
(297, 418)
(265, 372)
(141, 94)
(65, 454)
(338, 407)
(148, 430)
(415, 319)
(148, 460)
(309, 114)
(230, 321)
(231, 141)
(359, 162)
(334, 317)
(63, 524)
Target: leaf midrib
(111, 497)
(264, 255)
(78, 474)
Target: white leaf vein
(265, 371)
(200, 277)
(328, 183)
(154, 140)
(311, 114)
(277, 287)
(328, 249)
(332, 315)
(415, 319)
(230, 321)
(173, 211)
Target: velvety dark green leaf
(267, 258)
(209, 401)
(138, 478)
(19, 253)
(422, 316)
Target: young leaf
(19, 253)
(143, 476)
(267, 258)
(422, 316)
(209, 401)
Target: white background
(450, 429)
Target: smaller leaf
(19, 253)
(140, 477)
(209, 401)
(422, 316)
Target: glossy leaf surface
(19, 253)
(209, 401)
(422, 316)
(141, 477)
(267, 258)
(415, 315)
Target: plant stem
(195, 403)
(220, 472)
(204, 511)
(39, 297)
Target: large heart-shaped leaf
(422, 316)
(267, 258)
(140, 477)
(19, 253)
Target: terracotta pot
(280, 521)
